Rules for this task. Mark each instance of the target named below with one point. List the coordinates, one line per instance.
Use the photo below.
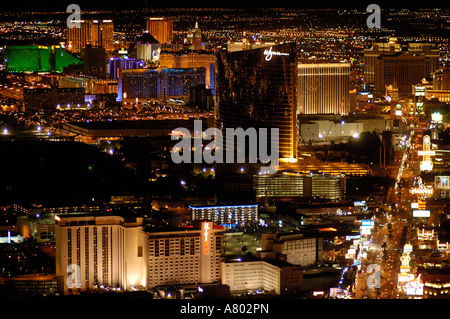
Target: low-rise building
(185, 255)
(228, 215)
(266, 276)
(297, 249)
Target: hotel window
(167, 248)
(69, 246)
(86, 255)
(111, 255)
(95, 255)
(78, 246)
(156, 248)
(182, 247)
(105, 252)
(192, 246)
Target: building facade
(185, 255)
(95, 61)
(51, 98)
(324, 88)
(38, 58)
(298, 249)
(153, 84)
(257, 89)
(161, 28)
(403, 68)
(296, 185)
(262, 275)
(97, 33)
(392, 47)
(370, 55)
(192, 59)
(227, 216)
(441, 86)
(94, 252)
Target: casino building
(110, 252)
(95, 252)
(185, 255)
(323, 88)
(257, 88)
(228, 216)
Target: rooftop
(146, 38)
(124, 124)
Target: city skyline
(328, 4)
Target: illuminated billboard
(422, 190)
(367, 222)
(442, 182)
(206, 235)
(414, 287)
(419, 205)
(426, 153)
(421, 213)
(436, 117)
(405, 277)
(408, 248)
(426, 165)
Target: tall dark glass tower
(257, 88)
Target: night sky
(136, 4)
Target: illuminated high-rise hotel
(192, 59)
(97, 33)
(161, 29)
(185, 255)
(403, 68)
(393, 47)
(257, 88)
(95, 252)
(110, 251)
(323, 88)
(371, 54)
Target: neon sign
(426, 153)
(206, 236)
(269, 54)
(422, 191)
(421, 213)
(426, 140)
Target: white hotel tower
(116, 253)
(111, 252)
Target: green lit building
(37, 58)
